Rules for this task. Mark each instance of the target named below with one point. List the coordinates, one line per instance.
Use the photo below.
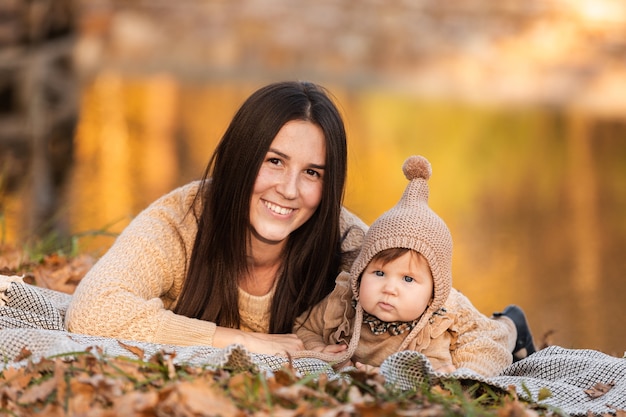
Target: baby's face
(399, 290)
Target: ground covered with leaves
(94, 384)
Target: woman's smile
(275, 208)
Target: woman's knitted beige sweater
(130, 291)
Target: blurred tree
(38, 107)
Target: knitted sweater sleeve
(128, 292)
(482, 342)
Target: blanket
(32, 318)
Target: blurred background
(520, 106)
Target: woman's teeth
(277, 209)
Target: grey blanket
(32, 318)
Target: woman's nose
(288, 185)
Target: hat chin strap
(356, 333)
(418, 327)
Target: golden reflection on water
(519, 189)
(583, 195)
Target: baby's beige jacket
(462, 336)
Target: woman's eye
(313, 173)
(274, 161)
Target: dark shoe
(524, 344)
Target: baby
(399, 296)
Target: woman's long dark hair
(312, 254)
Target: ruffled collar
(395, 328)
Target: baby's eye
(379, 273)
(408, 279)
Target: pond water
(535, 199)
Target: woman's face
(288, 188)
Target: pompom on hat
(413, 225)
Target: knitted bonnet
(413, 225)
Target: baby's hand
(337, 350)
(369, 369)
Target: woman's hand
(271, 344)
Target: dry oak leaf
(62, 274)
(82, 397)
(516, 409)
(198, 397)
(137, 351)
(38, 392)
(599, 389)
(136, 403)
(15, 379)
(25, 353)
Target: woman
(237, 256)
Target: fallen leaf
(52, 410)
(599, 389)
(139, 352)
(136, 403)
(62, 274)
(15, 378)
(516, 409)
(376, 410)
(82, 397)
(544, 393)
(59, 379)
(38, 392)
(24, 354)
(198, 397)
(296, 393)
